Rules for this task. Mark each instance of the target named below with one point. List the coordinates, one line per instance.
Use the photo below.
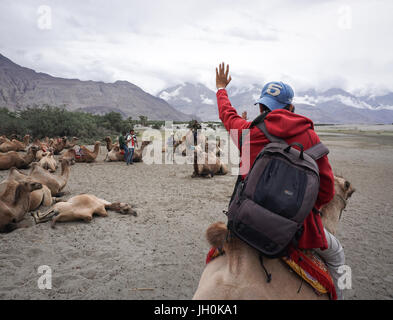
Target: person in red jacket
(281, 121)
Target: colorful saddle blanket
(306, 264)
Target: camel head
(123, 208)
(26, 186)
(26, 139)
(32, 185)
(33, 149)
(343, 187)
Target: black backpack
(268, 208)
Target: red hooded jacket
(292, 128)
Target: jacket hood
(285, 124)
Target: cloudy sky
(158, 43)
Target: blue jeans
(129, 152)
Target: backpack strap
(317, 151)
(262, 126)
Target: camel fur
(48, 162)
(12, 212)
(14, 159)
(207, 164)
(87, 155)
(14, 145)
(38, 197)
(54, 182)
(81, 207)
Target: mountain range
(333, 106)
(21, 87)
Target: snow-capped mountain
(334, 105)
(193, 99)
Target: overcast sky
(156, 44)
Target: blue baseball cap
(276, 95)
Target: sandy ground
(164, 248)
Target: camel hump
(216, 234)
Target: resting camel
(207, 164)
(12, 212)
(69, 155)
(48, 162)
(71, 144)
(15, 145)
(38, 197)
(86, 155)
(3, 139)
(138, 153)
(58, 145)
(81, 207)
(116, 155)
(14, 159)
(238, 273)
(109, 144)
(54, 182)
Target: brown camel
(15, 145)
(238, 273)
(48, 162)
(71, 144)
(109, 144)
(14, 159)
(3, 139)
(58, 145)
(38, 197)
(69, 155)
(85, 155)
(14, 211)
(207, 164)
(138, 153)
(116, 155)
(54, 182)
(81, 207)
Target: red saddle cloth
(306, 264)
(311, 268)
(122, 152)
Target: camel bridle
(345, 204)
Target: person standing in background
(131, 142)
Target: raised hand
(244, 115)
(222, 79)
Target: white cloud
(206, 100)
(156, 44)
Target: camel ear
(216, 234)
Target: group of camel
(21, 193)
(116, 154)
(237, 274)
(206, 154)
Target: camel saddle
(306, 264)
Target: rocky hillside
(22, 87)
